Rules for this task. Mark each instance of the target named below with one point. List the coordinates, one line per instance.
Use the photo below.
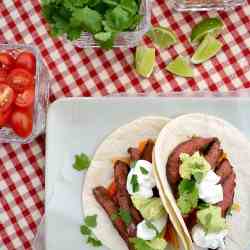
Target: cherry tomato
(3, 75)
(27, 61)
(26, 98)
(4, 117)
(7, 97)
(21, 123)
(6, 60)
(20, 79)
(112, 189)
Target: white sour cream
(147, 233)
(208, 240)
(143, 170)
(209, 189)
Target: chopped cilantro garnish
(135, 184)
(124, 215)
(140, 244)
(85, 229)
(82, 162)
(90, 221)
(144, 171)
(188, 196)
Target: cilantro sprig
(82, 162)
(104, 19)
(140, 244)
(90, 222)
(124, 215)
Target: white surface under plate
(78, 125)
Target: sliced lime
(162, 37)
(180, 66)
(212, 26)
(208, 48)
(144, 60)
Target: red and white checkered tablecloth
(94, 72)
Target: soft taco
(202, 163)
(120, 188)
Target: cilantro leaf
(90, 221)
(135, 184)
(125, 216)
(85, 230)
(94, 241)
(188, 196)
(144, 171)
(82, 162)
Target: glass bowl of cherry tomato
(24, 90)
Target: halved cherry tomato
(26, 98)
(27, 61)
(6, 60)
(21, 123)
(112, 189)
(20, 79)
(3, 75)
(7, 97)
(4, 117)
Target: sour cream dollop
(147, 233)
(209, 189)
(208, 240)
(142, 173)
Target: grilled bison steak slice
(190, 147)
(121, 171)
(228, 193)
(134, 153)
(214, 154)
(147, 151)
(224, 170)
(102, 197)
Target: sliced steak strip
(228, 193)
(189, 147)
(147, 151)
(121, 171)
(102, 197)
(224, 170)
(214, 154)
(134, 153)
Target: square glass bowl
(7, 135)
(128, 39)
(206, 5)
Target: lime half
(162, 37)
(180, 66)
(208, 48)
(144, 60)
(212, 26)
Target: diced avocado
(157, 244)
(211, 220)
(195, 165)
(150, 209)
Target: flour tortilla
(101, 172)
(237, 148)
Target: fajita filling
(203, 182)
(132, 202)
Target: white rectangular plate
(77, 125)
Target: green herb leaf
(188, 196)
(94, 241)
(140, 244)
(82, 162)
(135, 184)
(85, 230)
(90, 221)
(144, 171)
(114, 216)
(152, 226)
(125, 216)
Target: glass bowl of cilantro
(98, 23)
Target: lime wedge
(212, 26)
(162, 37)
(180, 66)
(208, 48)
(144, 60)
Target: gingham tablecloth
(94, 72)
